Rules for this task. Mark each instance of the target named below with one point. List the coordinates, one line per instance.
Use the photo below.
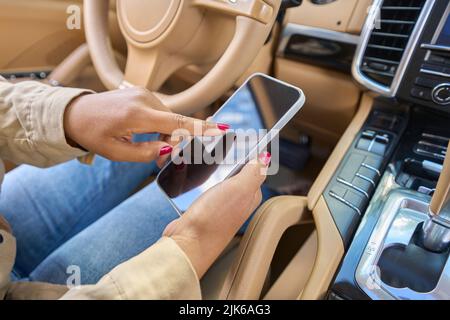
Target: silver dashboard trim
(347, 203)
(434, 47)
(409, 50)
(394, 226)
(348, 184)
(439, 31)
(435, 73)
(292, 29)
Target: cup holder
(411, 266)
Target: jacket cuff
(42, 116)
(161, 272)
(47, 117)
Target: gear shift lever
(436, 231)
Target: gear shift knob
(436, 231)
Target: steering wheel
(165, 35)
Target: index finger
(168, 123)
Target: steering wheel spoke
(149, 67)
(255, 9)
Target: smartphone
(257, 111)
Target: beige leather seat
(243, 270)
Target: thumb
(254, 173)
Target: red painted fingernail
(165, 150)
(180, 167)
(265, 158)
(223, 127)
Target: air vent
(389, 40)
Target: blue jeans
(83, 216)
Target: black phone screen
(255, 108)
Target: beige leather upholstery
(212, 282)
(329, 254)
(34, 35)
(328, 92)
(96, 30)
(341, 15)
(248, 272)
(71, 67)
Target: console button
(374, 161)
(420, 93)
(378, 148)
(441, 94)
(369, 134)
(366, 140)
(366, 172)
(433, 58)
(363, 184)
(352, 165)
(379, 144)
(356, 199)
(339, 191)
(346, 203)
(434, 68)
(426, 82)
(364, 144)
(353, 187)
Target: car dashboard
(403, 58)
(404, 52)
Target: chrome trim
(347, 203)
(365, 165)
(430, 154)
(397, 211)
(348, 184)
(436, 47)
(409, 50)
(359, 175)
(432, 166)
(435, 92)
(292, 29)
(439, 30)
(436, 235)
(429, 144)
(435, 73)
(434, 136)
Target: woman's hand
(208, 226)
(104, 123)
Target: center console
(390, 197)
(386, 258)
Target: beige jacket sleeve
(31, 123)
(161, 272)
(31, 131)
